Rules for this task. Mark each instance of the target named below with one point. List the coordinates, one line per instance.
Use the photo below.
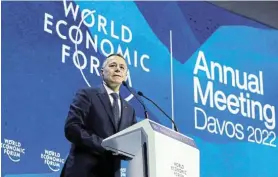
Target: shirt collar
(109, 90)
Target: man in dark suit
(95, 114)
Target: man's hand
(115, 153)
(122, 157)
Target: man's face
(115, 71)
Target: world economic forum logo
(96, 34)
(13, 149)
(52, 159)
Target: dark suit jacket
(90, 120)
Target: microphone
(136, 96)
(141, 94)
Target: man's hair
(111, 55)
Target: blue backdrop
(224, 78)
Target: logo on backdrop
(237, 99)
(52, 159)
(108, 37)
(13, 149)
(123, 172)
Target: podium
(155, 151)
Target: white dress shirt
(109, 91)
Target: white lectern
(155, 151)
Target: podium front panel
(175, 154)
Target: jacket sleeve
(75, 128)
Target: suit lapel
(104, 98)
(123, 114)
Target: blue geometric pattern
(40, 78)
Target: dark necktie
(115, 107)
